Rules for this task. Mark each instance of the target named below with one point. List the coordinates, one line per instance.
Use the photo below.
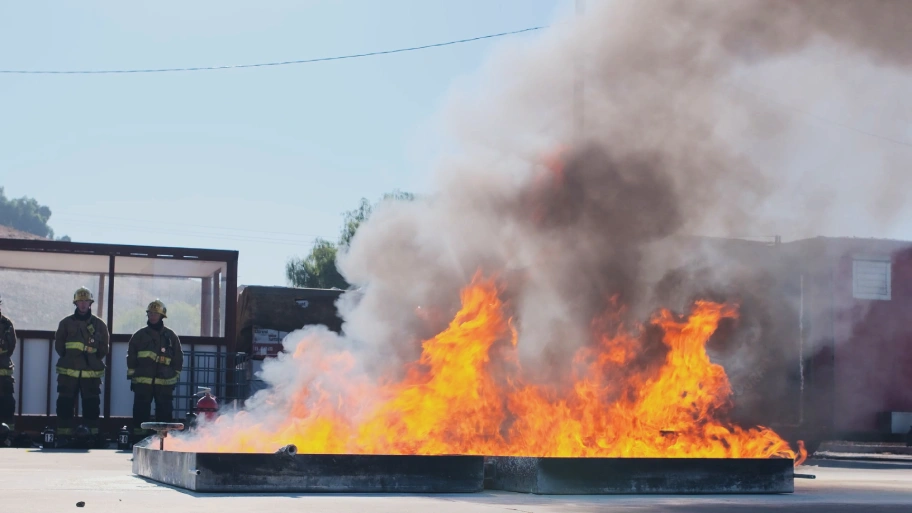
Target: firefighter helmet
(158, 307)
(83, 294)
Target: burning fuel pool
(467, 395)
(455, 425)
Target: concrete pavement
(36, 481)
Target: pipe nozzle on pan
(288, 450)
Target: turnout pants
(89, 390)
(143, 395)
(8, 401)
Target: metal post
(192, 384)
(831, 414)
(109, 359)
(206, 308)
(216, 318)
(801, 351)
(21, 380)
(101, 296)
(50, 366)
(231, 300)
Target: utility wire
(265, 64)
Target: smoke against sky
(676, 141)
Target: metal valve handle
(162, 429)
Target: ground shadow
(61, 450)
(203, 495)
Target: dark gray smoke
(671, 144)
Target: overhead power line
(265, 64)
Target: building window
(871, 279)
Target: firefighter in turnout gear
(7, 382)
(154, 363)
(82, 344)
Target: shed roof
(74, 257)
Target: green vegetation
(318, 268)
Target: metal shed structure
(37, 280)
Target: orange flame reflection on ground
(450, 402)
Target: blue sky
(258, 160)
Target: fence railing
(205, 365)
(225, 374)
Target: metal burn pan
(289, 472)
(585, 476)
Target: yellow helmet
(83, 294)
(158, 307)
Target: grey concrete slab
(54, 482)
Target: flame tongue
(671, 414)
(689, 389)
(453, 406)
(450, 402)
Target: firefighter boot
(6, 435)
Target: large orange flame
(451, 402)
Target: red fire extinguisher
(207, 406)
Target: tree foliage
(318, 269)
(27, 215)
(354, 218)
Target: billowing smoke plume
(669, 143)
(584, 162)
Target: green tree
(27, 215)
(353, 219)
(318, 269)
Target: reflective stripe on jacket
(155, 357)
(82, 345)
